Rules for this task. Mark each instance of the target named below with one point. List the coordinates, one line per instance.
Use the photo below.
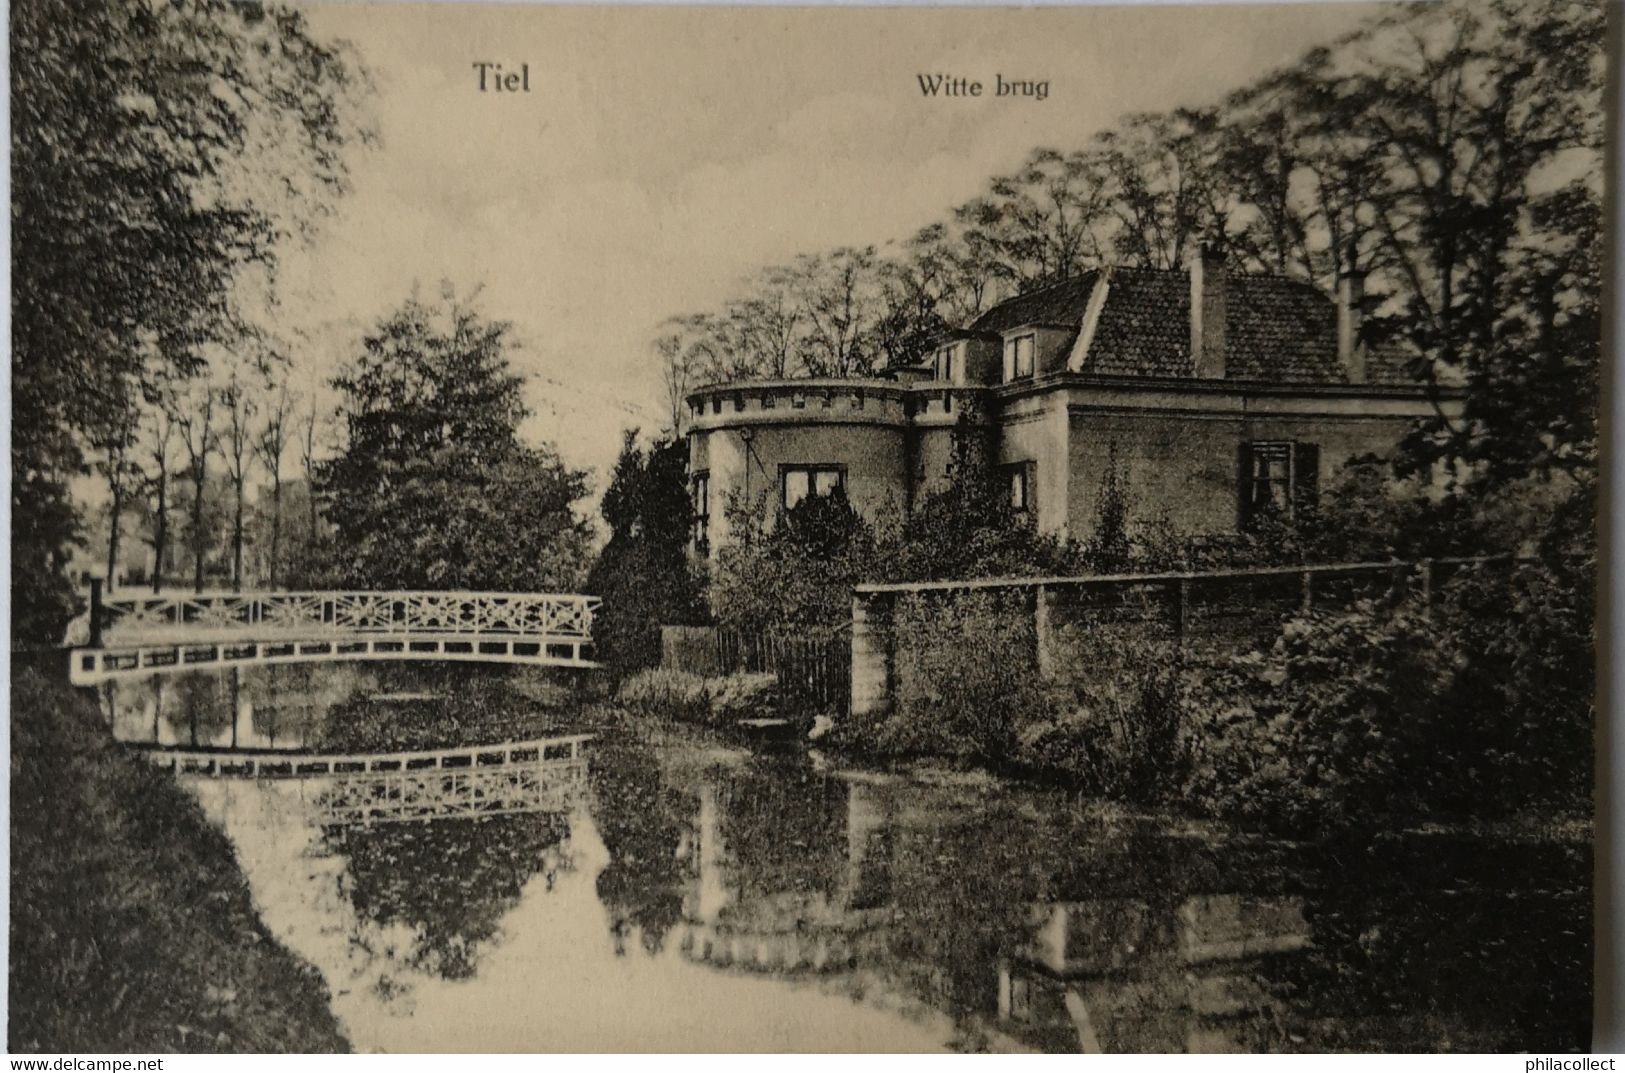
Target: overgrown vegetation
(109, 853)
(720, 701)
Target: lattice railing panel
(531, 615)
(438, 794)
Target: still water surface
(688, 893)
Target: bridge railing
(266, 615)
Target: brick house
(1211, 392)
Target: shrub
(1116, 729)
(666, 693)
(1478, 708)
(797, 571)
(1336, 728)
(966, 675)
(718, 701)
(743, 696)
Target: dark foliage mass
(110, 854)
(158, 151)
(433, 487)
(449, 882)
(643, 573)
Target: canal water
(686, 892)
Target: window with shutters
(1278, 478)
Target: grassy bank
(131, 924)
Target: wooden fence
(814, 669)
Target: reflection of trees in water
(784, 825)
(643, 823)
(1456, 943)
(202, 707)
(449, 881)
(1114, 928)
(452, 704)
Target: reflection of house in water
(913, 897)
(1132, 977)
(790, 903)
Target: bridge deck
(90, 666)
(141, 635)
(272, 764)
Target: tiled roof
(1059, 303)
(1277, 330)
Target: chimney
(1350, 300)
(1208, 310)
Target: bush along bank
(1476, 710)
(132, 928)
(720, 701)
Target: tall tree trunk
(160, 535)
(113, 534)
(199, 479)
(237, 542)
(276, 528)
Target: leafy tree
(795, 571)
(969, 529)
(156, 149)
(643, 574)
(432, 487)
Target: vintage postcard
(789, 529)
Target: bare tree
(270, 444)
(236, 447)
(839, 296)
(195, 422)
(307, 458)
(1043, 222)
(159, 431)
(114, 437)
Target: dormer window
(1018, 357)
(943, 364)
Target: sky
(662, 155)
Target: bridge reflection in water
(542, 775)
(773, 903)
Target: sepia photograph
(684, 529)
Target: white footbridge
(134, 636)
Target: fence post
(1043, 631)
(95, 612)
(1308, 602)
(1180, 595)
(1426, 568)
(872, 653)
